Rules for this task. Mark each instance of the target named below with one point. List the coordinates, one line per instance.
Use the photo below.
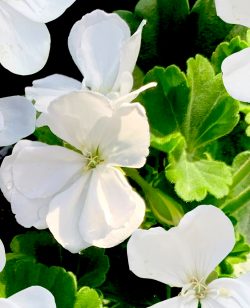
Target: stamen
(196, 288)
(92, 158)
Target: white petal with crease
(112, 210)
(64, 214)
(72, 117)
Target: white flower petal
(64, 215)
(112, 210)
(225, 293)
(177, 302)
(192, 249)
(40, 10)
(236, 75)
(6, 303)
(2, 256)
(245, 278)
(45, 90)
(94, 44)
(18, 119)
(33, 297)
(47, 170)
(72, 117)
(128, 56)
(6, 173)
(24, 44)
(125, 99)
(29, 212)
(234, 11)
(124, 139)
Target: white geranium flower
(32, 297)
(234, 11)
(105, 52)
(17, 119)
(81, 196)
(184, 257)
(24, 37)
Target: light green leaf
(245, 109)
(239, 195)
(87, 298)
(226, 49)
(195, 178)
(186, 113)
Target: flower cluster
(77, 186)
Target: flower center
(92, 159)
(196, 287)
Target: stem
(168, 291)
(135, 176)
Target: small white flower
(105, 52)
(17, 119)
(184, 257)
(234, 11)
(82, 197)
(32, 297)
(24, 37)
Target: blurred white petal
(18, 118)
(24, 44)
(40, 10)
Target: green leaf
(44, 134)
(226, 49)
(87, 298)
(238, 255)
(209, 29)
(32, 241)
(20, 273)
(195, 178)
(211, 112)
(239, 195)
(164, 19)
(186, 113)
(95, 265)
(245, 109)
